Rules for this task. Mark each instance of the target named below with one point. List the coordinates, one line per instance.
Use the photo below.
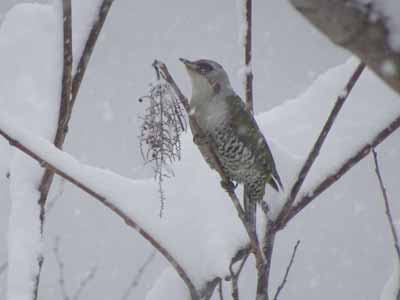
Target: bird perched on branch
(230, 129)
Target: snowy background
(346, 249)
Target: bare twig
(247, 56)
(128, 220)
(284, 280)
(138, 276)
(359, 27)
(345, 167)
(209, 289)
(284, 215)
(88, 50)
(388, 213)
(70, 88)
(235, 276)
(83, 283)
(60, 264)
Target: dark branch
(61, 273)
(69, 91)
(247, 57)
(283, 217)
(285, 277)
(359, 28)
(138, 276)
(345, 167)
(127, 219)
(388, 213)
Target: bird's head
(207, 76)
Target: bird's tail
(275, 181)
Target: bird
(230, 128)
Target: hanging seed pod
(160, 132)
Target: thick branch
(350, 24)
(127, 219)
(314, 153)
(344, 168)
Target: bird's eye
(204, 68)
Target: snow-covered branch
(347, 164)
(70, 169)
(368, 28)
(69, 90)
(285, 214)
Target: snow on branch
(285, 213)
(368, 28)
(70, 169)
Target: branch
(388, 213)
(84, 282)
(285, 213)
(247, 56)
(127, 219)
(358, 28)
(69, 91)
(344, 168)
(60, 264)
(284, 280)
(138, 276)
(235, 276)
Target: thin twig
(344, 168)
(128, 219)
(388, 212)
(84, 282)
(69, 91)
(284, 280)
(285, 213)
(61, 273)
(138, 276)
(88, 49)
(235, 276)
(248, 56)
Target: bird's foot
(200, 139)
(228, 185)
(264, 207)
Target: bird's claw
(228, 185)
(200, 139)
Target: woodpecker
(231, 130)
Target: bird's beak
(188, 64)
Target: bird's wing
(244, 124)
